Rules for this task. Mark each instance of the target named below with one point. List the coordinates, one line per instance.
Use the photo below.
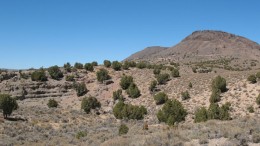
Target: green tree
(162, 78)
(81, 89)
(52, 103)
(55, 72)
(252, 79)
(133, 91)
(102, 75)
(39, 75)
(123, 129)
(78, 65)
(7, 104)
(213, 111)
(94, 63)
(126, 81)
(219, 83)
(126, 65)
(89, 103)
(172, 112)
(89, 67)
(116, 65)
(201, 115)
(67, 67)
(107, 63)
(160, 98)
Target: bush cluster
(172, 112)
(128, 111)
(107, 63)
(102, 75)
(123, 129)
(55, 72)
(78, 65)
(7, 104)
(39, 75)
(160, 98)
(89, 103)
(162, 78)
(80, 88)
(116, 65)
(52, 103)
(117, 95)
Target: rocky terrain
(34, 123)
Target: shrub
(125, 65)
(194, 69)
(102, 75)
(128, 111)
(250, 109)
(185, 95)
(213, 111)
(7, 104)
(201, 115)
(39, 75)
(23, 75)
(126, 81)
(70, 78)
(94, 63)
(81, 134)
(141, 65)
(252, 79)
(175, 73)
(133, 91)
(224, 112)
(55, 72)
(190, 85)
(116, 65)
(160, 98)
(156, 71)
(78, 65)
(258, 75)
(123, 129)
(67, 67)
(215, 96)
(258, 100)
(89, 67)
(52, 103)
(219, 83)
(162, 78)
(153, 86)
(117, 95)
(81, 89)
(107, 63)
(89, 103)
(132, 64)
(172, 112)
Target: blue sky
(35, 33)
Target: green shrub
(78, 65)
(258, 100)
(123, 129)
(67, 67)
(175, 73)
(102, 75)
(55, 72)
(190, 85)
(132, 64)
(7, 104)
(185, 95)
(126, 81)
(81, 134)
(194, 69)
(94, 63)
(52, 103)
(172, 112)
(219, 83)
(224, 112)
(107, 63)
(117, 95)
(116, 65)
(141, 65)
(160, 98)
(156, 71)
(162, 78)
(213, 111)
(128, 111)
(126, 65)
(252, 79)
(39, 75)
(250, 109)
(153, 86)
(258, 75)
(215, 96)
(89, 67)
(70, 78)
(201, 115)
(89, 103)
(133, 91)
(81, 89)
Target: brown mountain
(204, 45)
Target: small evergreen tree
(89, 67)
(141, 65)
(7, 104)
(219, 83)
(215, 96)
(153, 86)
(133, 91)
(94, 63)
(67, 67)
(89, 103)
(252, 79)
(102, 75)
(201, 115)
(55, 72)
(175, 73)
(126, 65)
(117, 95)
(123, 129)
(160, 98)
(190, 85)
(39, 75)
(52, 103)
(116, 65)
(107, 63)
(126, 81)
(213, 111)
(81, 89)
(78, 65)
(162, 78)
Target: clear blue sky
(35, 33)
